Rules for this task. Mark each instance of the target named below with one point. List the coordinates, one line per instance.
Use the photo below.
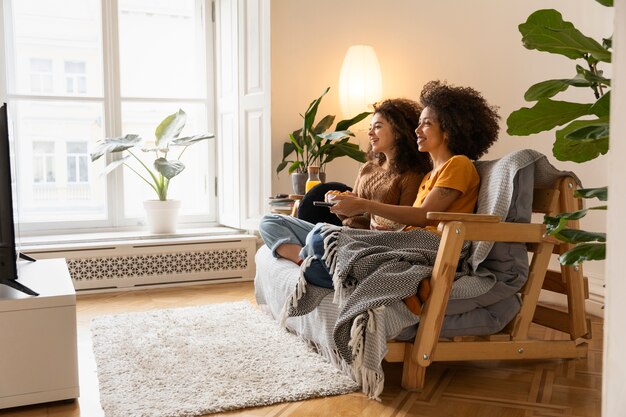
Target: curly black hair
(403, 116)
(464, 114)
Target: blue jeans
(279, 229)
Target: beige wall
(474, 43)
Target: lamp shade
(360, 81)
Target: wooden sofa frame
(514, 341)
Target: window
(40, 75)
(77, 159)
(82, 70)
(75, 77)
(43, 162)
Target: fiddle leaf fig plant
(164, 168)
(585, 126)
(309, 145)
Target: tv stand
(25, 257)
(39, 344)
(18, 286)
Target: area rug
(200, 360)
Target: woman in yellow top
(456, 126)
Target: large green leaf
(345, 124)
(602, 107)
(298, 147)
(169, 169)
(348, 149)
(590, 130)
(288, 148)
(281, 166)
(550, 88)
(170, 128)
(340, 134)
(545, 30)
(584, 252)
(324, 124)
(578, 236)
(296, 166)
(188, 140)
(111, 167)
(546, 114)
(592, 77)
(554, 224)
(311, 112)
(601, 193)
(571, 143)
(608, 3)
(115, 145)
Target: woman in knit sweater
(392, 175)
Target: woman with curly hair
(395, 165)
(457, 125)
(392, 175)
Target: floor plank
(569, 388)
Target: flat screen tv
(8, 253)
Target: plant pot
(162, 216)
(298, 181)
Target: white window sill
(81, 240)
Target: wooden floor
(477, 389)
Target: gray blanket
(374, 270)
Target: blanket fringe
(331, 234)
(299, 291)
(372, 382)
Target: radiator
(124, 264)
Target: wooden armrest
(462, 217)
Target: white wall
(474, 43)
(614, 388)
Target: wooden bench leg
(413, 375)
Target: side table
(38, 345)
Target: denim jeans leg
(278, 229)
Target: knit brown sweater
(375, 183)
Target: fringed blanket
(371, 270)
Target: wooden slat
(505, 232)
(526, 349)
(573, 275)
(462, 217)
(536, 273)
(554, 282)
(441, 281)
(545, 200)
(552, 318)
(395, 351)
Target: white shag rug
(200, 360)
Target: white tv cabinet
(38, 350)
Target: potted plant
(585, 132)
(161, 213)
(311, 146)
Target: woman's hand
(349, 205)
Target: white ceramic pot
(162, 215)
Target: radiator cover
(124, 264)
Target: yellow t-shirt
(457, 173)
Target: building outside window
(75, 77)
(111, 68)
(40, 75)
(43, 162)
(77, 162)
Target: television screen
(8, 269)
(8, 259)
